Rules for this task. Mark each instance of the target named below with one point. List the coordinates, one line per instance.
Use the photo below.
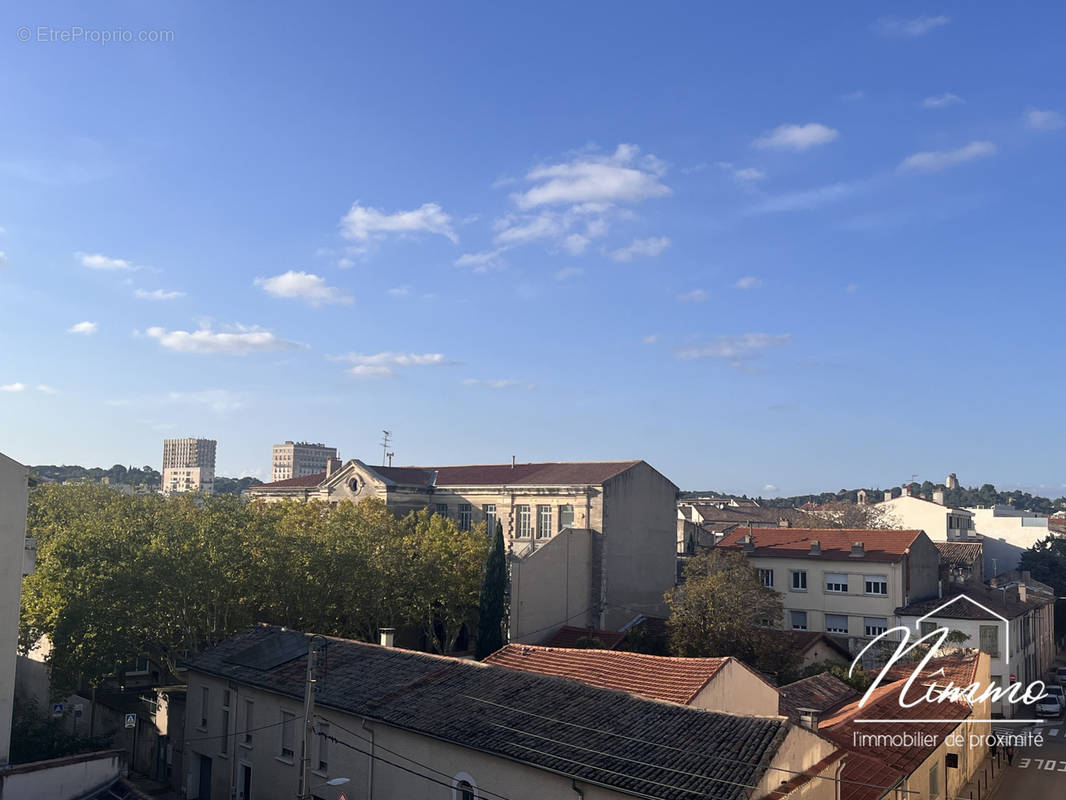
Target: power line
(244, 732)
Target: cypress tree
(490, 616)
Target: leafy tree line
(130, 476)
(985, 495)
(119, 575)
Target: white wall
(13, 499)
(62, 778)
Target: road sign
(342, 796)
(131, 720)
(57, 709)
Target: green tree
(493, 593)
(722, 609)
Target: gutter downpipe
(580, 792)
(370, 760)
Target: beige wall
(819, 653)
(14, 496)
(553, 586)
(735, 689)
(800, 750)
(914, 513)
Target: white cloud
(804, 200)
(623, 177)
(84, 328)
(909, 28)
(796, 137)
(942, 100)
(400, 291)
(158, 294)
(240, 341)
(363, 223)
(500, 383)
(12, 387)
(567, 273)
(46, 389)
(641, 248)
(482, 262)
(1044, 120)
(305, 286)
(769, 488)
(735, 349)
(936, 160)
(694, 296)
(383, 365)
(98, 261)
(516, 230)
(748, 282)
(742, 175)
(3, 259)
(651, 338)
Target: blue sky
(768, 250)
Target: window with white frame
(874, 626)
(464, 516)
(766, 577)
(836, 582)
(876, 584)
(544, 522)
(464, 787)
(799, 620)
(489, 510)
(799, 580)
(989, 639)
(288, 734)
(522, 512)
(442, 509)
(836, 623)
(322, 761)
(566, 517)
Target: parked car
(1048, 706)
(1058, 693)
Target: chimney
(888, 495)
(993, 583)
(388, 635)
(938, 497)
(816, 547)
(332, 465)
(784, 523)
(512, 462)
(906, 490)
(808, 718)
(858, 550)
(748, 543)
(1023, 592)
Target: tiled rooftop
(822, 693)
(975, 601)
(888, 545)
(959, 554)
(565, 726)
(677, 680)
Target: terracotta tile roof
(571, 635)
(551, 473)
(866, 778)
(884, 704)
(958, 668)
(960, 554)
(803, 778)
(824, 693)
(802, 641)
(303, 482)
(888, 545)
(677, 680)
(962, 599)
(579, 731)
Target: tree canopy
(119, 575)
(722, 609)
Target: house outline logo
(986, 609)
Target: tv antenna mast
(385, 446)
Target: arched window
(464, 787)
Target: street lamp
(332, 782)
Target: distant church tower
(861, 497)
(952, 482)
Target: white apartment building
(1007, 524)
(189, 465)
(942, 523)
(847, 583)
(299, 459)
(1012, 624)
(16, 560)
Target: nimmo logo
(972, 693)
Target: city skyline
(824, 252)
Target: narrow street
(1037, 772)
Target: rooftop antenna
(390, 455)
(385, 446)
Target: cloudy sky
(781, 252)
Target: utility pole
(309, 714)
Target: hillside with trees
(118, 475)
